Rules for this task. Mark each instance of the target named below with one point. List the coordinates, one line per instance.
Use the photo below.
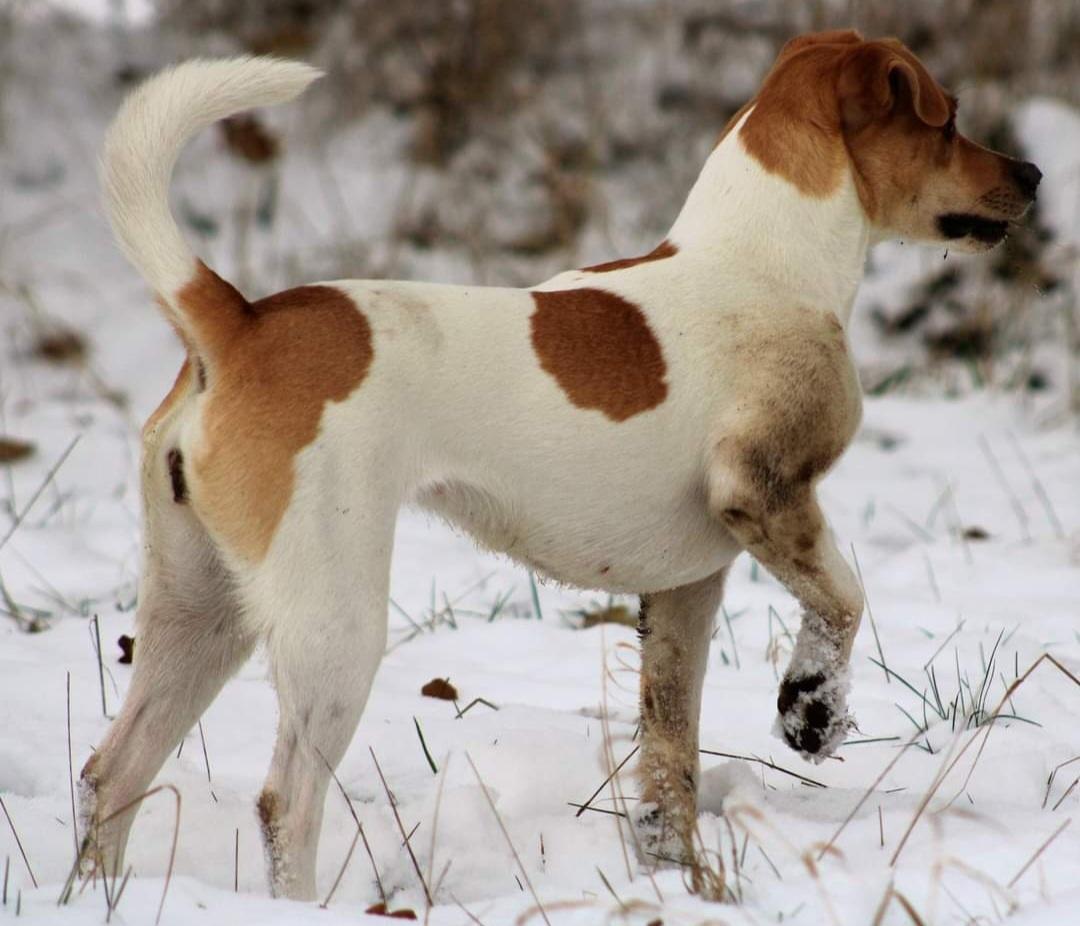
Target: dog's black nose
(1027, 177)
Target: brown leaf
(248, 139)
(127, 649)
(440, 688)
(12, 449)
(976, 533)
(380, 909)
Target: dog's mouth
(955, 225)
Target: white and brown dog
(654, 417)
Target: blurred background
(501, 141)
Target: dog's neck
(740, 215)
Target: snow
(921, 473)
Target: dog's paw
(813, 716)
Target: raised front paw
(814, 718)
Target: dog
(656, 416)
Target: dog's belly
(612, 543)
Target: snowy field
(963, 513)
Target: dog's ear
(883, 75)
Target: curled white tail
(145, 139)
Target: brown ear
(929, 100)
(875, 77)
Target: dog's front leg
(675, 628)
(794, 543)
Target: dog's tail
(141, 148)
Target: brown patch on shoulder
(664, 249)
(600, 350)
(299, 350)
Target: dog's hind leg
(675, 629)
(189, 639)
(323, 596)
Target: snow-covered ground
(964, 515)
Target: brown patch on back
(664, 249)
(299, 350)
(600, 350)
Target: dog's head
(832, 97)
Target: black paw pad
(807, 719)
(791, 688)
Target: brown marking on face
(664, 249)
(300, 350)
(832, 98)
(600, 350)
(911, 167)
(908, 174)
